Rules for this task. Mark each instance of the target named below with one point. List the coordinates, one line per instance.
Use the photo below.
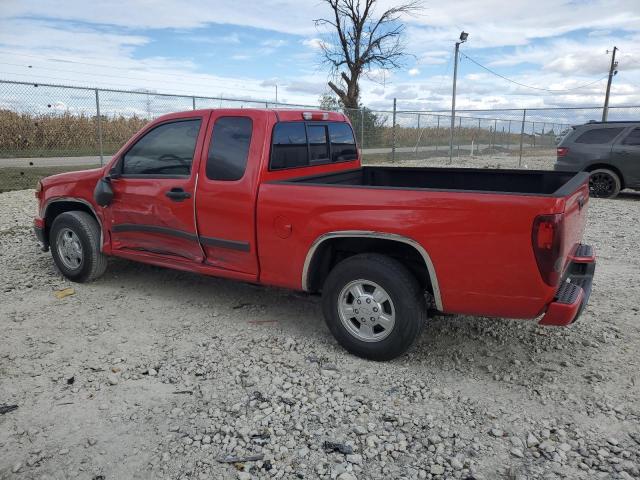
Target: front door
(626, 156)
(153, 207)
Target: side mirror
(103, 193)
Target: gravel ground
(151, 373)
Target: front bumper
(574, 291)
(39, 230)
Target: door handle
(178, 194)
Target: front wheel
(373, 306)
(604, 183)
(75, 246)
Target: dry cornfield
(65, 134)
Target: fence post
(361, 128)
(419, 137)
(99, 125)
(459, 128)
(193, 101)
(479, 134)
(533, 131)
(493, 137)
(437, 131)
(393, 134)
(509, 137)
(524, 117)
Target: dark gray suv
(609, 150)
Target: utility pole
(612, 72)
(276, 95)
(463, 38)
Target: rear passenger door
(227, 189)
(626, 155)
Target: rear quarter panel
(479, 243)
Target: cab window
(229, 148)
(166, 150)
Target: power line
(114, 67)
(156, 74)
(110, 86)
(529, 86)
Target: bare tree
(362, 40)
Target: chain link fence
(46, 129)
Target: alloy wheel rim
(366, 310)
(601, 184)
(69, 248)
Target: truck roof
(282, 114)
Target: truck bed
(527, 182)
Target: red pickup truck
(279, 197)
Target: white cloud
(314, 43)
(413, 72)
(273, 43)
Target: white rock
(347, 476)
(532, 441)
(516, 452)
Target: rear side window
(166, 150)
(633, 138)
(289, 146)
(299, 144)
(599, 135)
(343, 145)
(229, 148)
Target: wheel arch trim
(373, 234)
(605, 166)
(74, 200)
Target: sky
(243, 49)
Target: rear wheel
(75, 246)
(373, 306)
(604, 183)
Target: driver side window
(166, 150)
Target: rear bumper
(574, 291)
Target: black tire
(93, 262)
(403, 290)
(604, 183)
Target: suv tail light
(547, 239)
(38, 191)
(562, 151)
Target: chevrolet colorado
(279, 197)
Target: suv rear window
(599, 135)
(299, 144)
(633, 138)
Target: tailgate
(574, 221)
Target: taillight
(39, 189)
(562, 151)
(547, 239)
